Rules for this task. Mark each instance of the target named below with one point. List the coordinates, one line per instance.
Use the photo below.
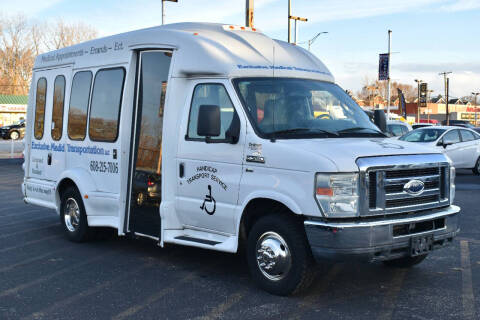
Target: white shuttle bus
(218, 137)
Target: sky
(428, 36)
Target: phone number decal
(103, 166)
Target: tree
(22, 40)
(378, 89)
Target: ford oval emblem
(414, 187)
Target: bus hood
(335, 154)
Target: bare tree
(62, 34)
(22, 40)
(16, 55)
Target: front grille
(385, 187)
(410, 201)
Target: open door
(146, 162)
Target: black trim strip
(203, 241)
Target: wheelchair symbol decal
(209, 199)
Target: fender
(82, 179)
(285, 200)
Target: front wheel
(73, 216)
(476, 169)
(279, 257)
(405, 262)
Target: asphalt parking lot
(44, 276)
(6, 146)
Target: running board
(138, 234)
(202, 241)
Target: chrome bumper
(380, 239)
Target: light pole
(475, 94)
(311, 41)
(389, 65)
(445, 81)
(163, 9)
(418, 99)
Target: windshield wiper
(358, 129)
(312, 130)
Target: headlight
(337, 194)
(452, 184)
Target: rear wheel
(476, 169)
(73, 216)
(14, 135)
(405, 262)
(278, 254)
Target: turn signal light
(325, 192)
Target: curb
(18, 161)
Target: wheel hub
(71, 214)
(273, 256)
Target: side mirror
(233, 132)
(380, 120)
(208, 121)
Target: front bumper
(384, 239)
(4, 134)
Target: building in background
(12, 109)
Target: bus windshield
(300, 108)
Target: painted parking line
(218, 311)
(72, 299)
(315, 294)
(3, 250)
(390, 298)
(153, 298)
(23, 286)
(7, 235)
(23, 213)
(4, 226)
(30, 260)
(468, 299)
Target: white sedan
(462, 145)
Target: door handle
(181, 170)
(49, 159)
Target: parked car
(146, 188)
(459, 123)
(461, 145)
(14, 131)
(476, 129)
(397, 128)
(421, 125)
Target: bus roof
(201, 49)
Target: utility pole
(388, 79)
(163, 9)
(249, 14)
(418, 99)
(445, 81)
(475, 94)
(290, 17)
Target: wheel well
(62, 186)
(257, 208)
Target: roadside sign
(383, 67)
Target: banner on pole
(383, 67)
(402, 103)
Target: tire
(14, 135)
(293, 271)
(405, 262)
(476, 169)
(73, 216)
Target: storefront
(12, 109)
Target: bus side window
(106, 101)
(77, 112)
(40, 101)
(58, 104)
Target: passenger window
(106, 101)
(77, 113)
(58, 104)
(467, 135)
(210, 94)
(451, 137)
(40, 101)
(395, 130)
